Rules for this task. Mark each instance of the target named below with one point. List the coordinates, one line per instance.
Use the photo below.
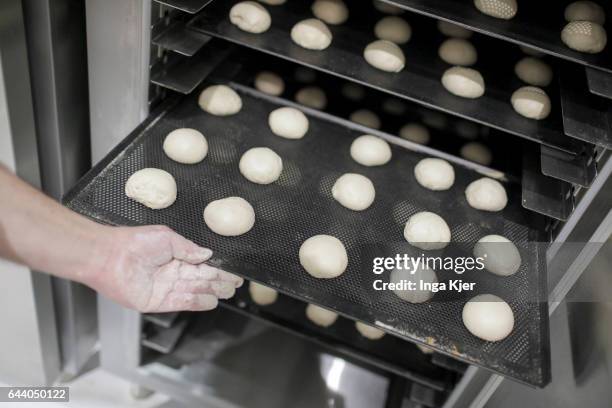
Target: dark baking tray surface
(299, 205)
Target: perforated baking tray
(299, 205)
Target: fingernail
(205, 253)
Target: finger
(194, 286)
(230, 277)
(199, 272)
(185, 250)
(176, 302)
(223, 290)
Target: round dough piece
(331, 11)
(312, 96)
(425, 349)
(476, 152)
(394, 107)
(320, 316)
(464, 82)
(311, 34)
(394, 29)
(370, 151)
(387, 8)
(366, 118)
(500, 256)
(353, 91)
(385, 56)
(186, 146)
(531, 102)
(416, 133)
(261, 165)
(467, 130)
(251, 17)
(230, 217)
(369, 332)
(262, 295)
(488, 317)
(354, 191)
(427, 231)
(273, 2)
(421, 274)
(585, 11)
(270, 83)
(456, 51)
(323, 256)
(504, 9)
(585, 36)
(289, 123)
(486, 194)
(220, 100)
(154, 188)
(434, 174)
(534, 71)
(453, 30)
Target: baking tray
(299, 205)
(419, 81)
(600, 82)
(188, 6)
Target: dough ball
(304, 75)
(476, 152)
(467, 130)
(385, 56)
(434, 174)
(312, 96)
(273, 2)
(394, 29)
(585, 11)
(387, 8)
(353, 92)
(531, 102)
(270, 83)
(531, 51)
(366, 118)
(585, 36)
(370, 151)
(186, 146)
(486, 194)
(415, 133)
(453, 30)
(289, 123)
(488, 317)
(354, 191)
(456, 51)
(229, 216)
(251, 17)
(394, 107)
(311, 34)
(421, 274)
(533, 71)
(427, 231)
(262, 295)
(331, 11)
(500, 255)
(154, 188)
(464, 82)
(425, 349)
(504, 9)
(220, 100)
(323, 256)
(369, 332)
(261, 165)
(320, 316)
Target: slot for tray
(449, 363)
(188, 6)
(576, 169)
(426, 396)
(176, 37)
(165, 320)
(162, 339)
(600, 82)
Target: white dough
(531, 102)
(533, 71)
(312, 96)
(387, 8)
(500, 256)
(369, 332)
(585, 36)
(251, 17)
(311, 34)
(354, 191)
(488, 317)
(456, 51)
(261, 165)
(152, 187)
(504, 9)
(427, 231)
(270, 83)
(464, 82)
(323, 256)
(385, 56)
(370, 151)
(434, 174)
(486, 194)
(353, 91)
(320, 316)
(220, 100)
(366, 118)
(453, 30)
(585, 11)
(186, 146)
(289, 123)
(425, 349)
(394, 29)
(262, 295)
(476, 152)
(415, 133)
(331, 11)
(274, 2)
(421, 274)
(229, 216)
